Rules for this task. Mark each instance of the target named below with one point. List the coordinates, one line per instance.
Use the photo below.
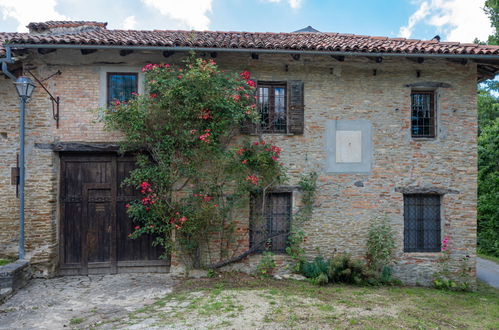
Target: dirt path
(81, 300)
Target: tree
(488, 104)
(488, 189)
(193, 171)
(492, 10)
(488, 151)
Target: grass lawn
(491, 258)
(240, 301)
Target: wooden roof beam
(418, 60)
(340, 58)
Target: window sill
(421, 254)
(424, 138)
(270, 133)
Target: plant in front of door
(194, 173)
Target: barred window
(421, 223)
(272, 107)
(423, 114)
(274, 222)
(120, 86)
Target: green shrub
(294, 249)
(339, 269)
(315, 268)
(380, 247)
(343, 269)
(266, 265)
(443, 283)
(322, 279)
(211, 273)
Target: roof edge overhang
(256, 50)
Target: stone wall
(334, 90)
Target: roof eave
(256, 50)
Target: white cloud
(191, 12)
(421, 13)
(27, 11)
(457, 20)
(292, 3)
(129, 23)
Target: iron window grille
(422, 223)
(120, 86)
(423, 121)
(274, 224)
(272, 104)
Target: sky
(453, 20)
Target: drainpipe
(9, 59)
(21, 180)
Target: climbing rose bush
(193, 170)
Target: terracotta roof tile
(42, 26)
(316, 41)
(4, 36)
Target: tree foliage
(492, 10)
(488, 151)
(193, 171)
(488, 189)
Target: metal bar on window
(423, 120)
(422, 223)
(276, 217)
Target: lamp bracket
(55, 100)
(58, 73)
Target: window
(421, 223)
(120, 86)
(423, 114)
(275, 221)
(272, 107)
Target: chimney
(64, 27)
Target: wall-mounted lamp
(24, 87)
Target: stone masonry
(346, 202)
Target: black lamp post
(24, 87)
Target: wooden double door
(94, 225)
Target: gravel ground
(81, 301)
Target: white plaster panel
(349, 146)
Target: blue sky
(456, 20)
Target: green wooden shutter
(296, 107)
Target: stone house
(389, 124)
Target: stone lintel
(425, 190)
(79, 146)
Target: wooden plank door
(131, 252)
(94, 226)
